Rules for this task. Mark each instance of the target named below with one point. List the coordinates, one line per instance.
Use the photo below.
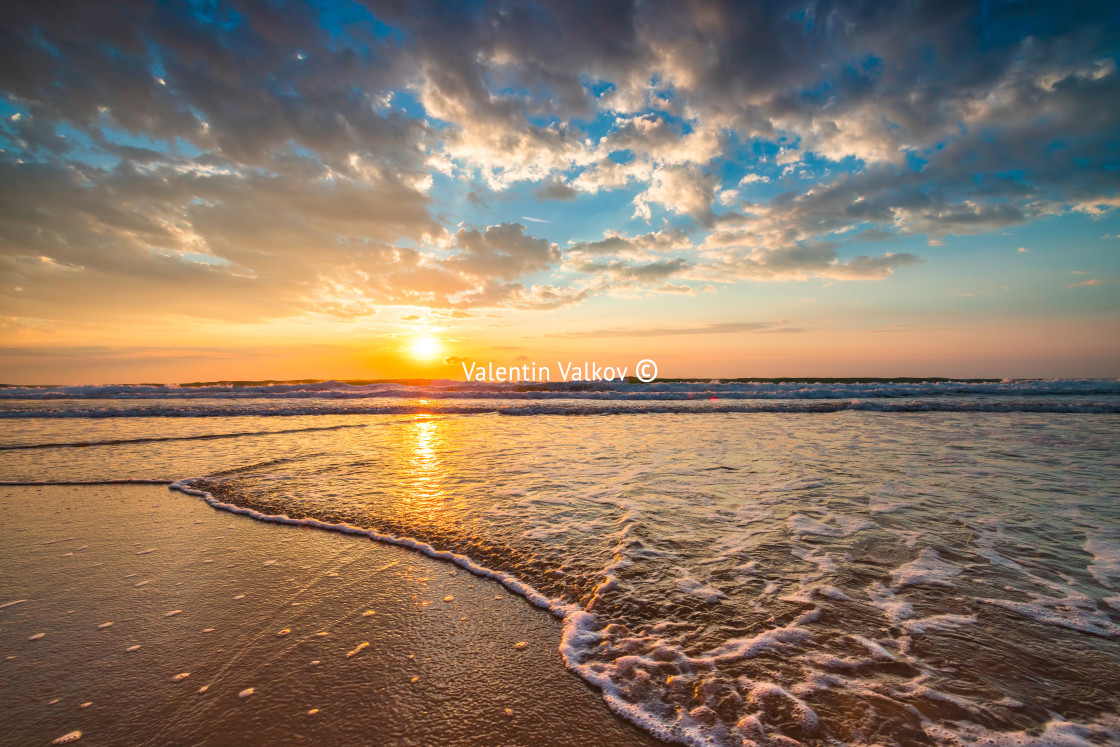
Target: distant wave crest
(268, 408)
(667, 390)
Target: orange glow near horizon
(965, 348)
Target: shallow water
(854, 576)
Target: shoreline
(576, 621)
(210, 597)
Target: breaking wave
(592, 390)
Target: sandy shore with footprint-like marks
(135, 614)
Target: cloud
(128, 242)
(796, 261)
(156, 241)
(502, 251)
(867, 268)
(658, 270)
(641, 246)
(554, 190)
(119, 353)
(248, 161)
(453, 314)
(720, 328)
(1097, 206)
(686, 190)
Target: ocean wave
(156, 439)
(570, 407)
(594, 390)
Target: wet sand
(255, 633)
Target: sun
(424, 347)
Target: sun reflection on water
(422, 467)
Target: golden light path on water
(421, 448)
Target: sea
(735, 562)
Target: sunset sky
(250, 190)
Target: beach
(704, 563)
(286, 634)
(536, 374)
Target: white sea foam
(694, 588)
(1105, 549)
(1056, 733)
(764, 694)
(1075, 611)
(876, 654)
(778, 640)
(927, 569)
(890, 496)
(937, 623)
(893, 608)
